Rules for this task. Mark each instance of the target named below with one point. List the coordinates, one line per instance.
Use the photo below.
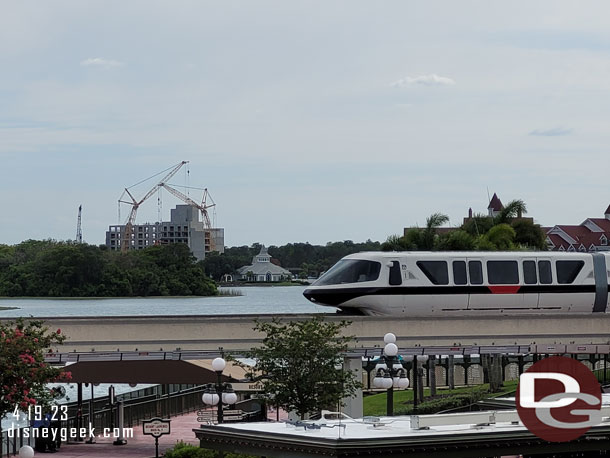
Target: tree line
(309, 259)
(49, 268)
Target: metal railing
(10, 445)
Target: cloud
(100, 62)
(423, 80)
(554, 132)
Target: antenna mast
(79, 231)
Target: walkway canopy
(152, 371)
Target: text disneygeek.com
(68, 433)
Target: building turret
(495, 206)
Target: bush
(182, 450)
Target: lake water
(261, 300)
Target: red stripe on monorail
(504, 289)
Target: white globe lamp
(26, 452)
(387, 382)
(219, 364)
(389, 338)
(229, 398)
(390, 349)
(403, 383)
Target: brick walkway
(140, 446)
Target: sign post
(156, 427)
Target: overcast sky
(307, 121)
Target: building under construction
(188, 224)
(184, 227)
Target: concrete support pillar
(353, 406)
(450, 372)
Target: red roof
(495, 204)
(603, 223)
(592, 238)
(607, 212)
(575, 231)
(558, 241)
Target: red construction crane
(135, 204)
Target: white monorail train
(456, 283)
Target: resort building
(184, 226)
(591, 235)
(262, 269)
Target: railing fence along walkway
(138, 406)
(137, 409)
(11, 445)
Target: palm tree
(433, 222)
(514, 209)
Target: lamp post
(389, 372)
(219, 393)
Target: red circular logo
(559, 399)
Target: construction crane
(203, 206)
(79, 231)
(135, 204)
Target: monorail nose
(308, 293)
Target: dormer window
(582, 248)
(603, 240)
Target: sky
(308, 121)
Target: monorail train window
(351, 271)
(475, 269)
(529, 272)
(502, 272)
(436, 271)
(459, 273)
(568, 270)
(395, 274)
(544, 272)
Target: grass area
(599, 374)
(445, 399)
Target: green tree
(529, 235)
(458, 240)
(478, 225)
(299, 363)
(394, 243)
(24, 373)
(429, 236)
(502, 237)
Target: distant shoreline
(268, 284)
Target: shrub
(183, 450)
